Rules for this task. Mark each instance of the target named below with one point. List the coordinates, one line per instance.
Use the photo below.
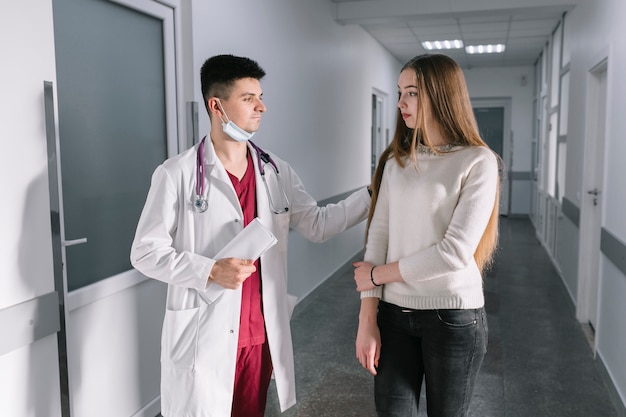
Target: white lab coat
(175, 244)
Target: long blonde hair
(440, 81)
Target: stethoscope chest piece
(200, 204)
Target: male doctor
(226, 326)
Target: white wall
(320, 77)
(29, 378)
(597, 28)
(516, 84)
(114, 345)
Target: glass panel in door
(112, 128)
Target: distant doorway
(492, 117)
(491, 125)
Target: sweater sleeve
(468, 223)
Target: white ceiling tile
(485, 27)
(391, 39)
(441, 33)
(484, 18)
(382, 31)
(483, 38)
(543, 26)
(430, 21)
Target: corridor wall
(593, 38)
(29, 372)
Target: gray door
(491, 124)
(116, 122)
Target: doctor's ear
(214, 107)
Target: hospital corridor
(119, 204)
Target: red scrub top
(251, 323)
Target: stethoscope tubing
(200, 202)
(200, 169)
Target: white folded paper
(250, 243)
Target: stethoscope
(201, 203)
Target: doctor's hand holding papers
(236, 259)
(226, 326)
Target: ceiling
(524, 26)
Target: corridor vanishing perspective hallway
(539, 362)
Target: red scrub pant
(252, 379)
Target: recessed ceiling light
(447, 44)
(485, 49)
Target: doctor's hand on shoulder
(230, 273)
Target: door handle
(594, 193)
(66, 243)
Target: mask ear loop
(219, 103)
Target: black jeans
(443, 347)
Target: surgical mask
(234, 131)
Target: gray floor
(539, 362)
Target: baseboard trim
(152, 409)
(615, 396)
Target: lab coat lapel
(214, 166)
(217, 175)
(262, 203)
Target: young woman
(432, 231)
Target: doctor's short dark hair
(220, 72)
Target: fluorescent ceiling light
(448, 44)
(485, 49)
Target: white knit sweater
(431, 220)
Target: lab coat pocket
(180, 338)
(180, 298)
